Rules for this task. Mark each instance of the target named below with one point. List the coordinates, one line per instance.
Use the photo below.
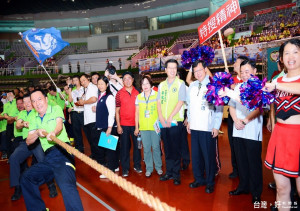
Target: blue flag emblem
(44, 43)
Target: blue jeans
(125, 145)
(21, 153)
(58, 164)
(151, 140)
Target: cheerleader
(283, 149)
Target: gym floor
(101, 194)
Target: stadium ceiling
(243, 3)
(10, 7)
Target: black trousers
(108, 156)
(184, 146)
(77, 120)
(230, 124)
(203, 156)
(248, 156)
(171, 138)
(9, 137)
(125, 145)
(91, 133)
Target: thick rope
(131, 188)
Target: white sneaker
(160, 172)
(117, 169)
(102, 176)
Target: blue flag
(44, 43)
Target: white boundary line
(95, 197)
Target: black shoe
(255, 199)
(176, 182)
(184, 167)
(52, 190)
(237, 192)
(233, 175)
(272, 185)
(17, 194)
(125, 173)
(165, 177)
(209, 189)
(196, 184)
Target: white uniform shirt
(253, 130)
(75, 94)
(202, 115)
(89, 115)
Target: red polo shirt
(126, 102)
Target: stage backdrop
(253, 52)
(156, 64)
(272, 64)
(219, 57)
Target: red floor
(182, 197)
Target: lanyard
(147, 100)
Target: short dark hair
(195, 64)
(76, 76)
(95, 73)
(85, 75)
(19, 98)
(148, 78)
(52, 88)
(38, 90)
(244, 58)
(171, 61)
(26, 95)
(251, 63)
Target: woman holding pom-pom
(284, 146)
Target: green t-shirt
(17, 132)
(55, 100)
(10, 108)
(48, 123)
(3, 124)
(25, 116)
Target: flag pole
(223, 50)
(52, 81)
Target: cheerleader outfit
(283, 152)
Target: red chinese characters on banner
(285, 6)
(241, 16)
(265, 11)
(224, 15)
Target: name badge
(147, 113)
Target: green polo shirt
(3, 124)
(17, 132)
(10, 108)
(25, 116)
(55, 100)
(48, 123)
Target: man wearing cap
(171, 96)
(125, 118)
(58, 163)
(4, 98)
